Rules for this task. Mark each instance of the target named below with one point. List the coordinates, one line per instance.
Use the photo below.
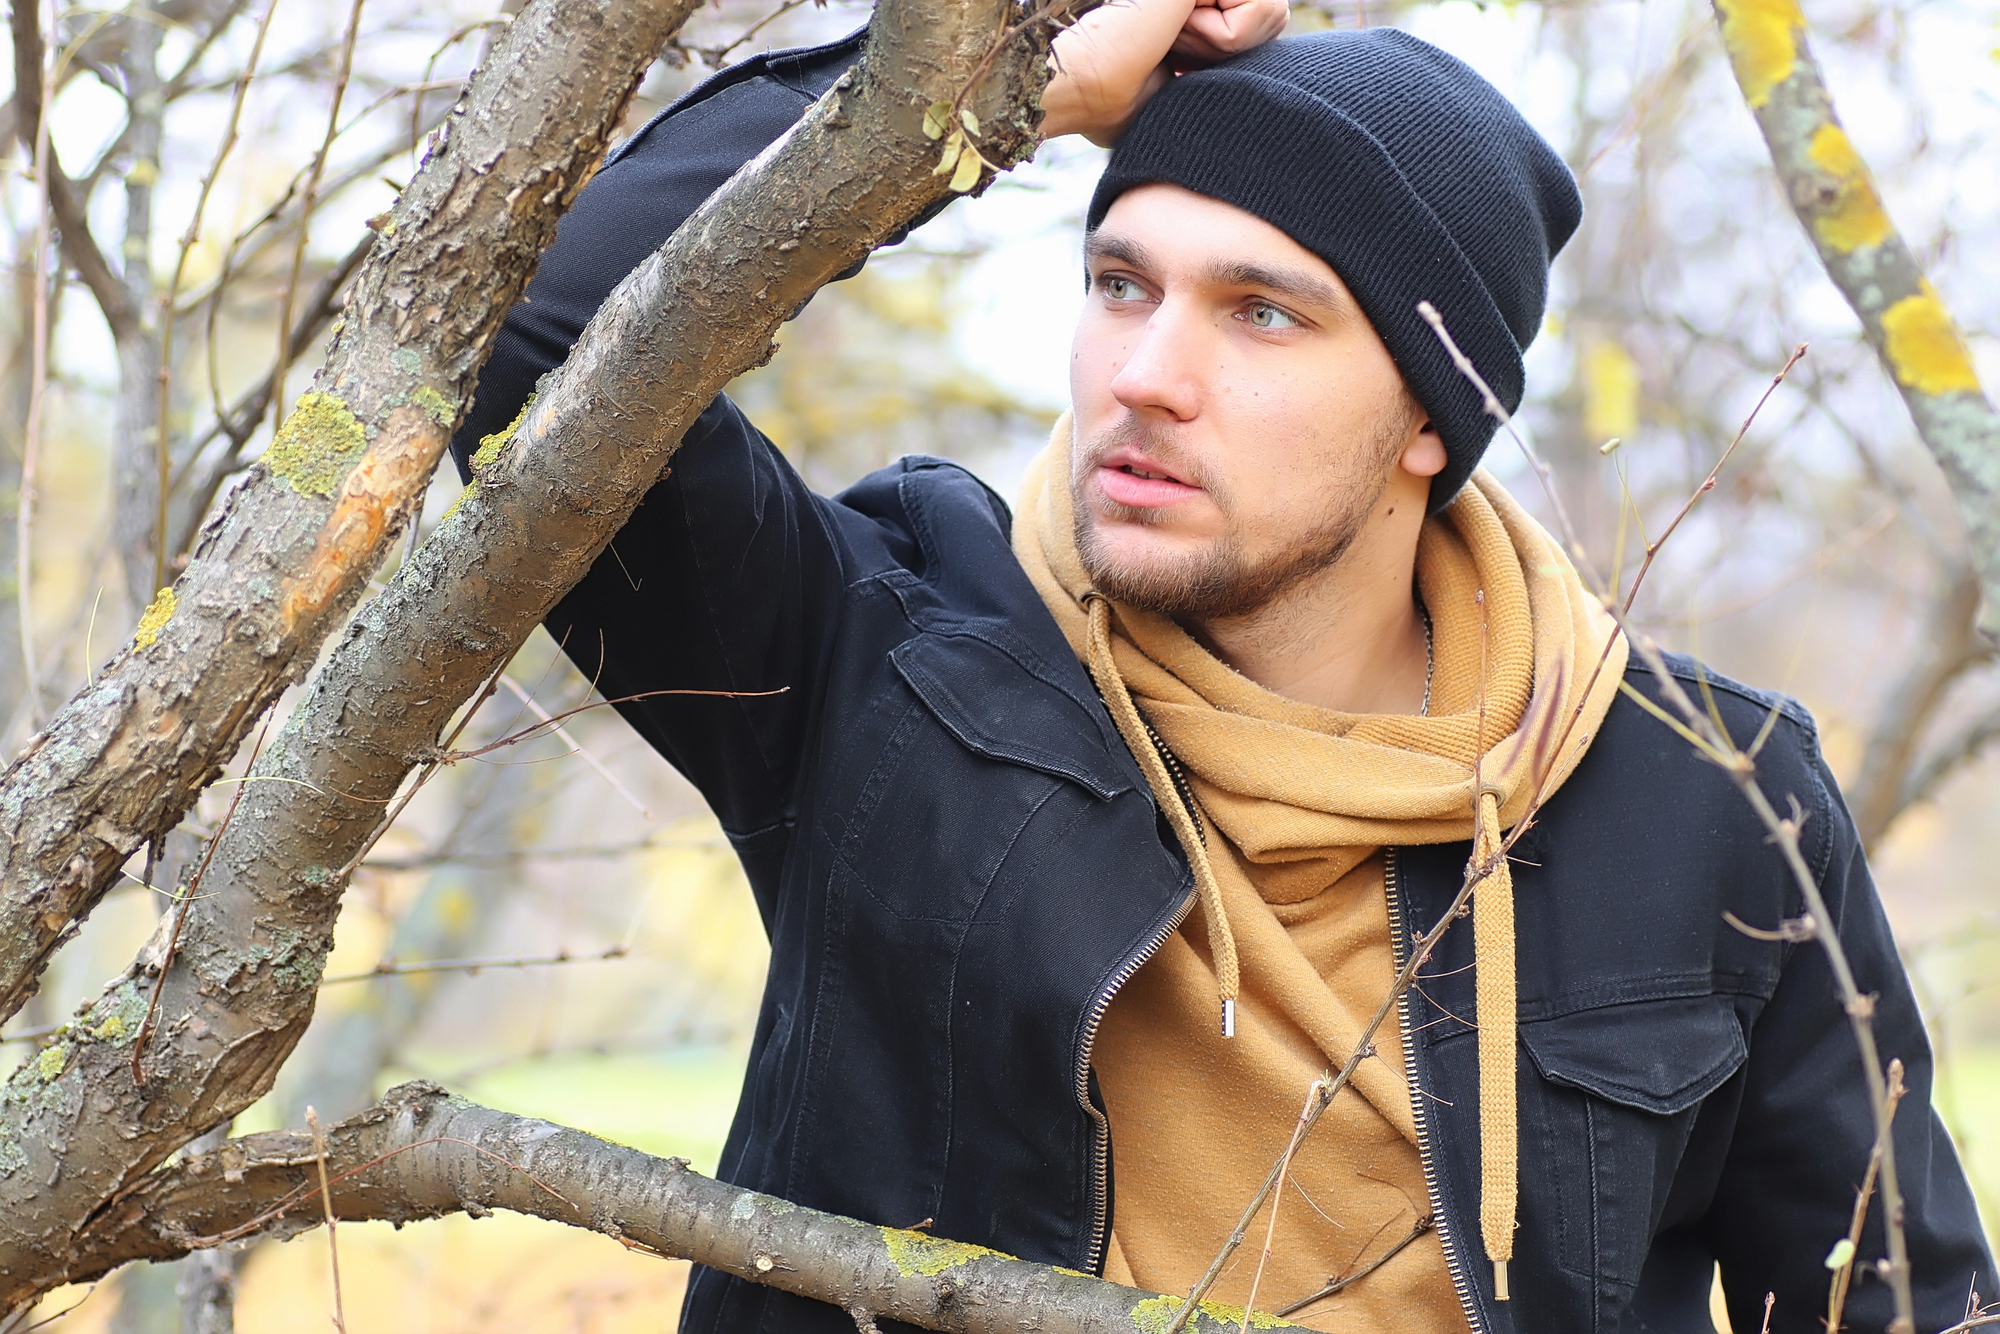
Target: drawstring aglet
(1499, 1280)
(1229, 1016)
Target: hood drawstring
(1492, 942)
(1493, 958)
(1178, 805)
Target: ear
(1423, 454)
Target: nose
(1161, 376)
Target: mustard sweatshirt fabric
(1294, 805)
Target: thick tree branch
(241, 985)
(421, 1154)
(286, 560)
(66, 202)
(1835, 198)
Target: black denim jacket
(958, 863)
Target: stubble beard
(1220, 581)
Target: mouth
(1133, 479)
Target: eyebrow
(1304, 288)
(1300, 287)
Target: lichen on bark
(317, 446)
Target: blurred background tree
(559, 928)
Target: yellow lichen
(316, 446)
(488, 453)
(1855, 219)
(52, 1062)
(1924, 347)
(158, 613)
(1153, 1315)
(440, 409)
(491, 445)
(913, 1253)
(1762, 39)
(110, 1030)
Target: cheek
(1095, 356)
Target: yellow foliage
(1610, 391)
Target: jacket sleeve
(1805, 1131)
(728, 576)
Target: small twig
(1336, 1285)
(423, 776)
(1708, 482)
(391, 968)
(326, 1200)
(170, 297)
(1278, 1198)
(1697, 726)
(1836, 1299)
(306, 206)
(31, 439)
(555, 726)
(552, 723)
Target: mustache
(1138, 433)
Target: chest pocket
(1620, 1088)
(986, 772)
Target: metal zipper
(1399, 948)
(1100, 1144)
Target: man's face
(1238, 421)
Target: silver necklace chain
(1430, 661)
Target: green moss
(317, 445)
(435, 405)
(914, 1253)
(155, 620)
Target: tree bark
(422, 1154)
(1830, 189)
(88, 1118)
(286, 560)
(135, 469)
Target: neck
(1349, 638)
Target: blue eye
(1270, 317)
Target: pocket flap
(999, 708)
(1659, 1056)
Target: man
(1101, 829)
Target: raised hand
(1107, 64)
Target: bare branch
(421, 1153)
(289, 556)
(79, 247)
(1830, 189)
(1948, 646)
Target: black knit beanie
(1401, 168)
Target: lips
(1133, 478)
